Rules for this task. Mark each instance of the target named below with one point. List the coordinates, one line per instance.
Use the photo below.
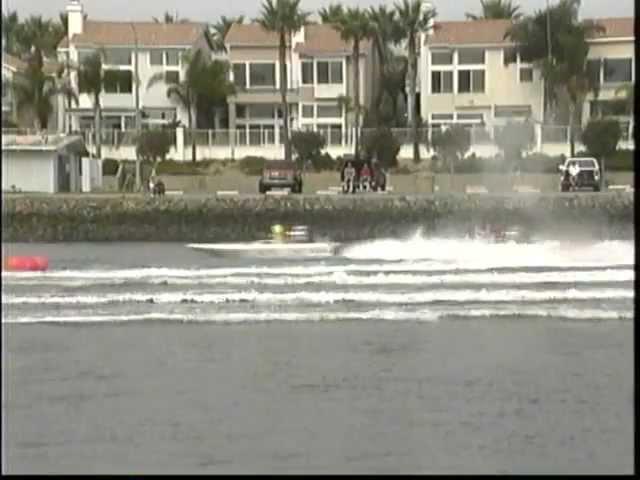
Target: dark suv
(280, 174)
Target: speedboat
(268, 248)
(292, 242)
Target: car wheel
(596, 188)
(261, 188)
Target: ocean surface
(415, 355)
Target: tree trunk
(97, 123)
(412, 99)
(572, 136)
(192, 134)
(356, 93)
(283, 96)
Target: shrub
(451, 144)
(252, 165)
(382, 145)
(307, 146)
(324, 162)
(601, 138)
(622, 160)
(154, 144)
(109, 166)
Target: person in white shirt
(574, 170)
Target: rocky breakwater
(58, 218)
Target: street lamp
(137, 100)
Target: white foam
(347, 278)
(378, 314)
(467, 253)
(324, 297)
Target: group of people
(354, 181)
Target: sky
(211, 10)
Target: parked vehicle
(280, 174)
(579, 172)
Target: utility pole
(136, 81)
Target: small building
(48, 164)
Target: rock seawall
(64, 218)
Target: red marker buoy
(35, 263)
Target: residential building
(320, 75)
(157, 47)
(475, 76)
(612, 62)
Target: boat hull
(267, 249)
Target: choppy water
(420, 326)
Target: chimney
(75, 18)
(425, 7)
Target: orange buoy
(33, 263)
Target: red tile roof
(319, 39)
(493, 31)
(149, 34)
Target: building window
(510, 112)
(307, 73)
(329, 72)
(262, 74)
(593, 70)
(173, 57)
(118, 81)
(617, 70)
(239, 75)
(307, 111)
(262, 111)
(117, 56)
(526, 74)
(329, 111)
(241, 111)
(442, 117)
(471, 56)
(608, 108)
(470, 81)
(172, 77)
(441, 82)
(156, 57)
(509, 55)
(470, 117)
(442, 58)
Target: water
(404, 355)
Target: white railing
(547, 138)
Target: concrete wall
(415, 183)
(32, 218)
(30, 171)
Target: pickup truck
(588, 174)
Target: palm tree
(414, 19)
(202, 79)
(556, 42)
(496, 9)
(387, 32)
(220, 30)
(36, 32)
(91, 80)
(169, 18)
(10, 27)
(332, 13)
(283, 17)
(355, 26)
(35, 90)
